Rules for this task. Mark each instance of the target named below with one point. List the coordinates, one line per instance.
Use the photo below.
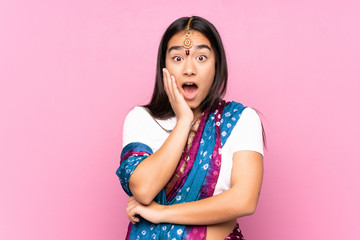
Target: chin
(193, 105)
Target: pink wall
(70, 71)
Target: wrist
(184, 123)
(164, 214)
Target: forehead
(197, 38)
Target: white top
(139, 126)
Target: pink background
(71, 70)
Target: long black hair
(159, 106)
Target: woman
(191, 162)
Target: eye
(202, 58)
(177, 59)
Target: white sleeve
(247, 133)
(135, 126)
(140, 126)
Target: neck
(197, 113)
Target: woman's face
(194, 73)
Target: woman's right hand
(155, 171)
(181, 109)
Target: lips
(190, 90)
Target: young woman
(191, 162)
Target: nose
(189, 68)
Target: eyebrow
(196, 46)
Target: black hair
(159, 106)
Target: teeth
(189, 84)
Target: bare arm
(154, 172)
(240, 200)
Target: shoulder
(249, 115)
(138, 118)
(136, 113)
(245, 113)
(234, 107)
(135, 125)
(142, 118)
(140, 126)
(247, 133)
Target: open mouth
(190, 90)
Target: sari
(195, 177)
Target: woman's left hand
(152, 212)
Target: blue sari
(197, 181)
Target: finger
(133, 214)
(130, 212)
(174, 86)
(177, 94)
(134, 219)
(170, 88)
(131, 205)
(165, 81)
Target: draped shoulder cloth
(195, 181)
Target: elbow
(141, 194)
(247, 211)
(247, 208)
(143, 199)
(250, 210)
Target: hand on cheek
(177, 101)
